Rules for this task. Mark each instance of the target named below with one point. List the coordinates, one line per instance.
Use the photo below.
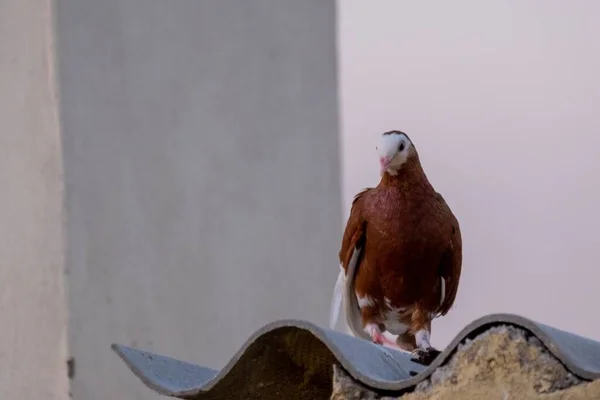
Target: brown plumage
(401, 254)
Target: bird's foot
(424, 353)
(425, 356)
(379, 338)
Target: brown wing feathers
(451, 263)
(355, 230)
(450, 269)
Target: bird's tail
(353, 316)
(336, 300)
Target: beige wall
(501, 99)
(32, 305)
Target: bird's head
(394, 150)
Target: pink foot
(378, 337)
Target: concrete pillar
(175, 190)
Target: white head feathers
(393, 149)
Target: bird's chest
(393, 221)
(404, 238)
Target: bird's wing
(451, 264)
(349, 256)
(354, 232)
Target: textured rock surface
(502, 363)
(346, 388)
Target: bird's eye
(401, 146)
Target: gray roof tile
(295, 358)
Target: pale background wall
(501, 99)
(32, 308)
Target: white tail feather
(353, 316)
(336, 300)
(442, 296)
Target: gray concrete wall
(202, 176)
(33, 326)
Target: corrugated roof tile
(294, 359)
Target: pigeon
(400, 256)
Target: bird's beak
(384, 164)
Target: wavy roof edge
(374, 366)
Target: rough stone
(346, 388)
